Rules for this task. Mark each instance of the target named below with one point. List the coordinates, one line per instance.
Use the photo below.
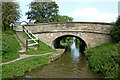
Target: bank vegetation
(105, 59)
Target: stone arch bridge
(90, 33)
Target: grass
(105, 59)
(43, 48)
(10, 46)
(20, 41)
(19, 68)
(27, 37)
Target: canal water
(72, 64)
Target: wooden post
(26, 45)
(12, 27)
(38, 43)
(31, 34)
(23, 28)
(27, 31)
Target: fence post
(38, 43)
(12, 27)
(27, 31)
(31, 34)
(26, 45)
(23, 28)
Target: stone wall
(72, 26)
(92, 33)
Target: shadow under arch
(56, 42)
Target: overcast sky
(82, 10)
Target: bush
(115, 32)
(117, 23)
(105, 59)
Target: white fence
(30, 35)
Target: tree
(115, 32)
(10, 13)
(117, 23)
(41, 12)
(64, 19)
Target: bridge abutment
(90, 39)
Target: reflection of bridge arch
(56, 42)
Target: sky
(81, 10)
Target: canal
(72, 64)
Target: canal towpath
(22, 56)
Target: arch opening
(57, 43)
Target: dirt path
(20, 36)
(22, 56)
(23, 40)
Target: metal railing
(30, 35)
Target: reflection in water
(75, 54)
(70, 65)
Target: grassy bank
(19, 68)
(10, 46)
(43, 48)
(105, 59)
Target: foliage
(115, 32)
(42, 12)
(19, 68)
(10, 13)
(63, 18)
(104, 59)
(66, 40)
(117, 23)
(10, 46)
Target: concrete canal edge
(58, 54)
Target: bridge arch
(56, 42)
(93, 33)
